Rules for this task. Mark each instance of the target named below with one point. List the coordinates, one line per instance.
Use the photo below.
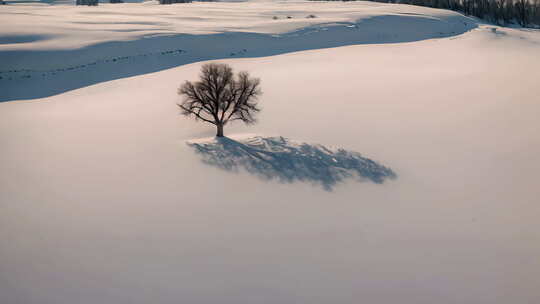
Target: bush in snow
(87, 2)
(220, 96)
(116, 1)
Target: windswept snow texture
(289, 161)
(69, 47)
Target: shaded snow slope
(103, 202)
(72, 47)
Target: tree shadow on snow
(289, 161)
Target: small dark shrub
(87, 2)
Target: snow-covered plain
(104, 201)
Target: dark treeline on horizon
(502, 12)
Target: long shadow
(30, 74)
(289, 161)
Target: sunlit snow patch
(289, 161)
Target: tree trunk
(219, 130)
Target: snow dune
(70, 47)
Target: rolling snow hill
(104, 198)
(71, 47)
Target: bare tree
(220, 97)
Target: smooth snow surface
(102, 200)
